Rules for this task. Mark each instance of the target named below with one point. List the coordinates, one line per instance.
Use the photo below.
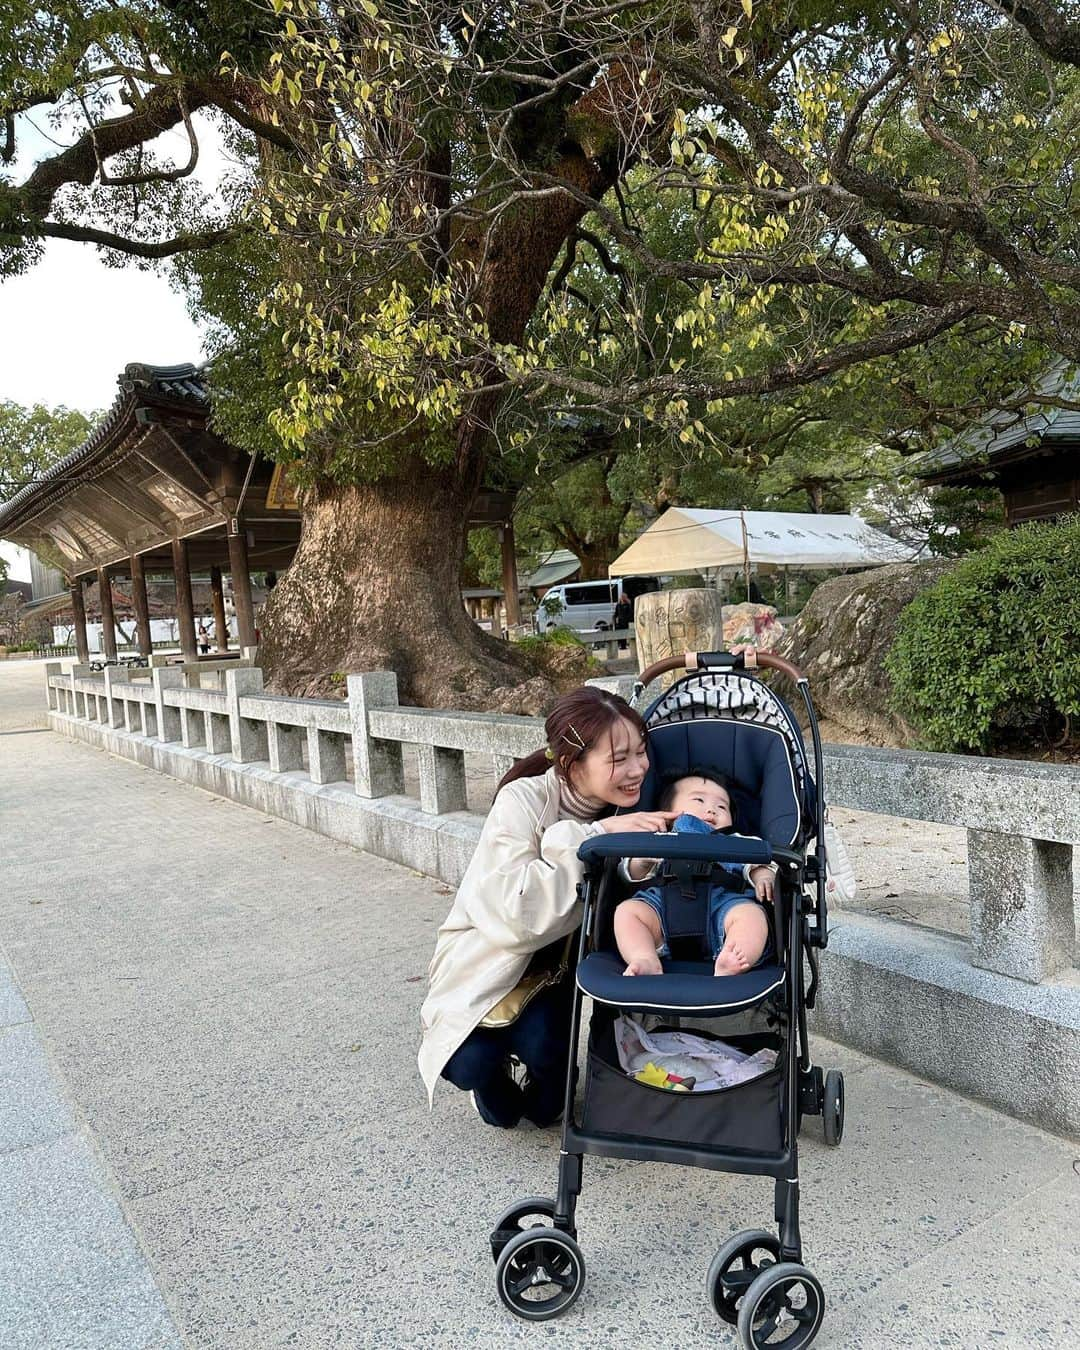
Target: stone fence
(996, 1016)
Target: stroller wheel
(535, 1211)
(833, 1107)
(735, 1267)
(540, 1274)
(783, 1307)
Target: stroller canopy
(731, 722)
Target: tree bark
(376, 585)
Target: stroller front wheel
(783, 1299)
(540, 1274)
(832, 1113)
(735, 1267)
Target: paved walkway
(214, 1135)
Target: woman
(518, 904)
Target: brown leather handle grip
(690, 661)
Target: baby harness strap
(686, 887)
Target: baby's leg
(746, 931)
(638, 934)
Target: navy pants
(540, 1039)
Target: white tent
(686, 540)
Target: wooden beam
(510, 576)
(78, 611)
(108, 618)
(241, 582)
(221, 627)
(185, 609)
(142, 605)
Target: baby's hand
(762, 880)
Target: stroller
(717, 714)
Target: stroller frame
(756, 1281)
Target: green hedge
(989, 656)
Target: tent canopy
(688, 540)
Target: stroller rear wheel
(540, 1274)
(735, 1267)
(832, 1111)
(782, 1308)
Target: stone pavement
(214, 1135)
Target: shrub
(989, 655)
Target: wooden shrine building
(153, 489)
(1032, 457)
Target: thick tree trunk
(376, 585)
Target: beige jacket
(518, 894)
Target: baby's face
(704, 799)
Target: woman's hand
(645, 822)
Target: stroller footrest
(684, 987)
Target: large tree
(852, 183)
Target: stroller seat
(685, 987)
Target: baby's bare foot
(644, 965)
(730, 961)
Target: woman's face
(613, 770)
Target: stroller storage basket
(746, 1115)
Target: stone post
(442, 779)
(377, 766)
(1021, 895)
(115, 675)
(166, 717)
(52, 668)
(285, 744)
(218, 734)
(326, 756)
(192, 727)
(247, 735)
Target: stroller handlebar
(675, 847)
(745, 660)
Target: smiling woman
(496, 1019)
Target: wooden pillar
(510, 576)
(142, 606)
(108, 618)
(185, 609)
(241, 583)
(78, 611)
(221, 627)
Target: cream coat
(518, 893)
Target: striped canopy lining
(728, 695)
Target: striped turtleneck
(577, 806)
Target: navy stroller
(718, 714)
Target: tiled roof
(999, 432)
(139, 384)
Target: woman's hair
(574, 726)
(672, 780)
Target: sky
(70, 325)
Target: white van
(587, 606)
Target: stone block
(442, 779)
(167, 717)
(286, 747)
(377, 765)
(114, 703)
(52, 668)
(248, 737)
(501, 764)
(1021, 895)
(216, 731)
(326, 756)
(192, 727)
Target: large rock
(841, 640)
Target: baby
(737, 927)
